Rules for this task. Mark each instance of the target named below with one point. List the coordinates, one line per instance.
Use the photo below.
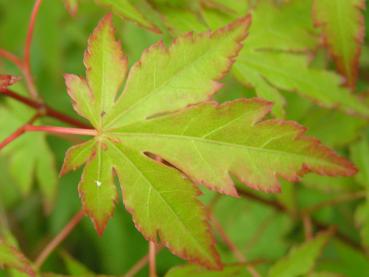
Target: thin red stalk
(31, 26)
(52, 245)
(136, 268)
(46, 110)
(152, 259)
(232, 247)
(61, 130)
(12, 58)
(20, 131)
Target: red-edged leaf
(342, 24)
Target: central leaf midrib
(163, 200)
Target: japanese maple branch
(152, 259)
(60, 130)
(53, 244)
(44, 109)
(281, 208)
(25, 65)
(20, 131)
(141, 264)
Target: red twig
(31, 26)
(60, 130)
(50, 247)
(20, 131)
(12, 58)
(140, 264)
(152, 259)
(46, 110)
(27, 51)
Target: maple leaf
(164, 112)
(11, 257)
(343, 39)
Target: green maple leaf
(163, 117)
(342, 24)
(29, 158)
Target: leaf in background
(72, 6)
(291, 73)
(127, 10)
(195, 271)
(342, 24)
(140, 123)
(7, 80)
(74, 267)
(29, 157)
(12, 258)
(360, 155)
(301, 259)
(334, 123)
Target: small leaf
(29, 158)
(301, 259)
(97, 189)
(342, 24)
(12, 258)
(127, 10)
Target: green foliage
(169, 135)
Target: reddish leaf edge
(105, 22)
(71, 10)
(266, 108)
(349, 81)
(27, 265)
(217, 265)
(99, 225)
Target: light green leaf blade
(360, 156)
(301, 259)
(291, 73)
(127, 10)
(106, 67)
(77, 155)
(97, 189)
(342, 24)
(186, 73)
(12, 258)
(254, 151)
(151, 193)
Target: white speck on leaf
(98, 183)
